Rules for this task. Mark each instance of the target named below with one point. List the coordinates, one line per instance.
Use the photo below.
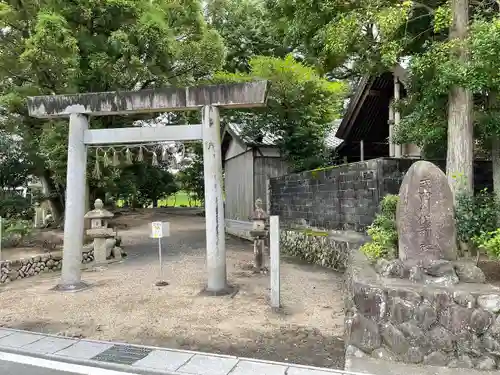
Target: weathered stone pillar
(214, 205)
(75, 205)
(259, 234)
(397, 116)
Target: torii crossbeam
(79, 107)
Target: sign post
(159, 230)
(274, 249)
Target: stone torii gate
(79, 107)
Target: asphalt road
(12, 368)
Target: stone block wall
(346, 197)
(11, 270)
(397, 320)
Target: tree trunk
(495, 153)
(52, 196)
(460, 153)
(155, 203)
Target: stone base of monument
(431, 272)
(429, 313)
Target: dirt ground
(124, 305)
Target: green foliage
(14, 168)
(14, 231)
(247, 29)
(300, 110)
(57, 47)
(489, 242)
(352, 38)
(383, 231)
(191, 178)
(475, 215)
(436, 71)
(388, 206)
(15, 206)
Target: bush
(14, 231)
(15, 206)
(475, 215)
(383, 231)
(489, 242)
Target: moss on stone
(310, 232)
(314, 172)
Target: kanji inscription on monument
(425, 215)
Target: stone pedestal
(259, 234)
(101, 236)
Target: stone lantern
(259, 234)
(100, 232)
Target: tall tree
(300, 110)
(247, 29)
(54, 47)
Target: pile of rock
(424, 309)
(11, 270)
(431, 272)
(88, 255)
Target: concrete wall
(346, 197)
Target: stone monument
(426, 232)
(425, 215)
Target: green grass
(181, 199)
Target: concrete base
(71, 288)
(228, 290)
(380, 367)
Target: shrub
(489, 242)
(14, 231)
(475, 215)
(383, 231)
(15, 206)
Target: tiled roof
(331, 141)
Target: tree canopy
(51, 46)
(300, 112)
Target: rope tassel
(97, 169)
(140, 154)
(154, 162)
(105, 160)
(116, 158)
(164, 154)
(128, 157)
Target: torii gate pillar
(207, 98)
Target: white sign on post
(160, 229)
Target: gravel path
(124, 304)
